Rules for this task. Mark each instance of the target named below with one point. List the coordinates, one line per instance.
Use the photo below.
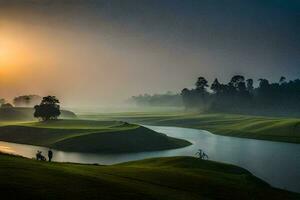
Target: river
(277, 163)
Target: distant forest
(22, 101)
(239, 96)
(167, 99)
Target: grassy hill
(22, 113)
(257, 127)
(88, 136)
(175, 178)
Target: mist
(103, 52)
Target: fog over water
(102, 52)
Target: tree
(282, 80)
(201, 84)
(185, 94)
(216, 86)
(263, 83)
(237, 82)
(48, 109)
(250, 86)
(242, 87)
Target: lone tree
(48, 109)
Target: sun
(13, 59)
(7, 52)
(12, 52)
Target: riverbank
(159, 178)
(244, 126)
(257, 156)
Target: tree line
(167, 99)
(240, 96)
(46, 108)
(22, 101)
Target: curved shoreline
(257, 156)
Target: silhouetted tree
(250, 86)
(237, 82)
(185, 93)
(282, 80)
(263, 83)
(201, 83)
(196, 98)
(48, 109)
(216, 86)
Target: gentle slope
(22, 113)
(88, 136)
(257, 127)
(160, 178)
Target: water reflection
(7, 149)
(275, 162)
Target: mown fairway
(159, 178)
(88, 136)
(257, 127)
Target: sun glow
(5, 54)
(12, 52)
(16, 54)
(5, 149)
(15, 58)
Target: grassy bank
(88, 136)
(22, 113)
(256, 127)
(159, 178)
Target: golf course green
(246, 126)
(88, 136)
(159, 178)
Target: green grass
(80, 124)
(22, 113)
(175, 178)
(257, 127)
(88, 136)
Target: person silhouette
(50, 155)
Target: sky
(100, 52)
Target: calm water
(275, 162)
